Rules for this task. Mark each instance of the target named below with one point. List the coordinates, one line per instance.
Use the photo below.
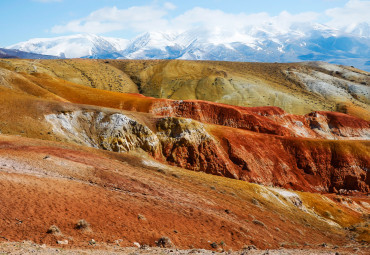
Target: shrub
(82, 224)
(54, 230)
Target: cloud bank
(156, 18)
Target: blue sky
(21, 20)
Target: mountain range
(267, 43)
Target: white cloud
(155, 18)
(354, 12)
(137, 18)
(225, 21)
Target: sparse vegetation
(82, 225)
(54, 230)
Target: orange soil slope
(267, 155)
(124, 200)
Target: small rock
(137, 244)
(214, 245)
(255, 202)
(141, 217)
(92, 242)
(257, 222)
(250, 247)
(64, 242)
(118, 241)
(165, 242)
(145, 247)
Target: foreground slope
(296, 88)
(127, 199)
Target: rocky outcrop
(187, 144)
(110, 131)
(181, 142)
(268, 120)
(333, 125)
(302, 164)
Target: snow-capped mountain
(9, 53)
(74, 46)
(267, 43)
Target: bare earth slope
(296, 88)
(73, 147)
(126, 199)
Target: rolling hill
(78, 141)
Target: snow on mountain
(9, 53)
(74, 46)
(269, 42)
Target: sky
(21, 20)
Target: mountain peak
(72, 46)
